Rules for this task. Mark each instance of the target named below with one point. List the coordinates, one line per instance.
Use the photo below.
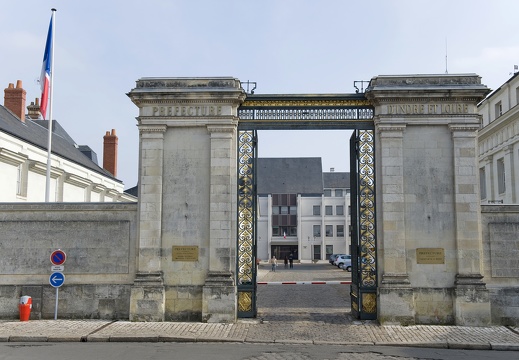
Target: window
(482, 183)
(317, 230)
(284, 231)
(501, 186)
(329, 250)
(317, 209)
(349, 209)
(499, 109)
(328, 210)
(339, 210)
(329, 230)
(338, 193)
(327, 192)
(340, 230)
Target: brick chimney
(110, 152)
(33, 110)
(14, 99)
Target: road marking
(304, 283)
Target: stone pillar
(219, 292)
(396, 303)
(148, 292)
(428, 222)
(187, 198)
(472, 305)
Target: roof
(35, 133)
(336, 180)
(289, 176)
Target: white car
(343, 260)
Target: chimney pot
(14, 99)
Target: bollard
(25, 307)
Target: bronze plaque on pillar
(185, 253)
(430, 256)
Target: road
(227, 351)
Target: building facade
(499, 144)
(75, 175)
(302, 211)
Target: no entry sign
(58, 257)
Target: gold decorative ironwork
(301, 103)
(246, 202)
(369, 303)
(245, 301)
(366, 193)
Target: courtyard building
(303, 212)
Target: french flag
(45, 73)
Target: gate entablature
(304, 111)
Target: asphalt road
(229, 351)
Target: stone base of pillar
(472, 301)
(396, 300)
(147, 297)
(219, 301)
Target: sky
(285, 46)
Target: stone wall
(100, 242)
(500, 224)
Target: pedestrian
(286, 262)
(291, 260)
(274, 263)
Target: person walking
(291, 260)
(286, 262)
(274, 263)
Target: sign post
(57, 278)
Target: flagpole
(49, 141)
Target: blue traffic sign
(56, 279)
(58, 257)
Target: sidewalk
(256, 331)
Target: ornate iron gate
(246, 250)
(310, 112)
(363, 230)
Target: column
(509, 175)
(471, 303)
(148, 293)
(396, 304)
(219, 291)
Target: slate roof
(289, 176)
(336, 180)
(35, 134)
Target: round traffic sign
(58, 257)
(56, 279)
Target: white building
(301, 210)
(499, 144)
(75, 174)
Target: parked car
(346, 266)
(341, 260)
(333, 257)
